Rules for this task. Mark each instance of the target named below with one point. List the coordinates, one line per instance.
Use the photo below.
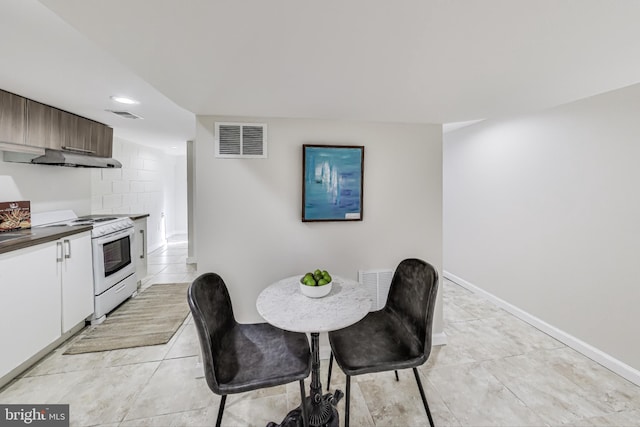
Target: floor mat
(151, 318)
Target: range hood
(65, 158)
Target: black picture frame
(332, 182)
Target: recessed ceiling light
(124, 100)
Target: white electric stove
(114, 270)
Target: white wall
(543, 211)
(147, 183)
(248, 211)
(180, 196)
(47, 187)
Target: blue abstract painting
(332, 183)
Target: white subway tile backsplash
(111, 201)
(152, 186)
(137, 208)
(136, 186)
(129, 174)
(102, 211)
(137, 163)
(151, 165)
(96, 203)
(140, 186)
(144, 175)
(120, 187)
(101, 188)
(111, 174)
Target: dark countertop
(132, 216)
(20, 239)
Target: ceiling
(424, 61)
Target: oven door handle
(114, 236)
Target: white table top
(283, 305)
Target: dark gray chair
(242, 357)
(396, 337)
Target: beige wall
(543, 211)
(248, 211)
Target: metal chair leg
(424, 398)
(303, 400)
(397, 379)
(346, 404)
(221, 410)
(330, 366)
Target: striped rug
(151, 318)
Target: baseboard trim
(439, 339)
(580, 346)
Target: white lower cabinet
(45, 290)
(140, 256)
(30, 304)
(76, 275)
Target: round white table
(283, 305)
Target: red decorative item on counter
(15, 215)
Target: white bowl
(316, 291)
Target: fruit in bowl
(316, 284)
(317, 278)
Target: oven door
(112, 260)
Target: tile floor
(495, 371)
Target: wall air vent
(377, 283)
(125, 114)
(241, 140)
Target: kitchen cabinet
(49, 127)
(12, 118)
(140, 228)
(76, 279)
(30, 304)
(45, 290)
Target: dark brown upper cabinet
(49, 127)
(12, 118)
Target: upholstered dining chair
(242, 357)
(396, 337)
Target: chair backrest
(412, 298)
(213, 316)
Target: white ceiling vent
(241, 140)
(125, 114)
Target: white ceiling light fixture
(124, 100)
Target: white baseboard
(156, 246)
(439, 339)
(580, 346)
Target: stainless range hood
(65, 158)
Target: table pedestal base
(321, 414)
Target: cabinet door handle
(78, 150)
(144, 248)
(59, 251)
(67, 252)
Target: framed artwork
(332, 182)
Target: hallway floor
(495, 371)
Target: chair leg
(346, 404)
(330, 366)
(221, 410)
(397, 379)
(303, 400)
(424, 398)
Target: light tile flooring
(495, 371)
